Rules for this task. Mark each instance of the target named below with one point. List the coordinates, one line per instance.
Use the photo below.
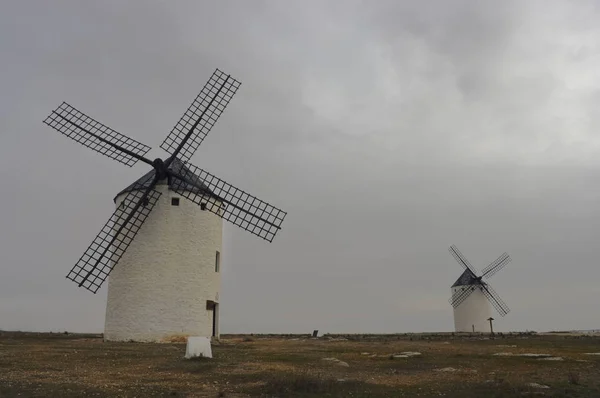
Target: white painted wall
(159, 289)
(475, 310)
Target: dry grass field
(59, 365)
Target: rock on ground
(407, 354)
(337, 362)
(511, 354)
(534, 355)
(536, 385)
(449, 369)
(411, 353)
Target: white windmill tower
(471, 296)
(167, 281)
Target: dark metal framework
(197, 185)
(93, 134)
(475, 282)
(201, 116)
(231, 203)
(114, 238)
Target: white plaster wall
(159, 288)
(475, 310)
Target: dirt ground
(59, 365)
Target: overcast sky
(388, 130)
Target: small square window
(217, 261)
(174, 201)
(145, 201)
(203, 206)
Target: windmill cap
(466, 279)
(176, 166)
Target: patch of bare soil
(57, 365)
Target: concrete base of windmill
(198, 347)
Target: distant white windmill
(471, 296)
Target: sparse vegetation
(294, 383)
(573, 378)
(452, 365)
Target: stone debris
(511, 354)
(536, 385)
(337, 362)
(407, 354)
(506, 345)
(449, 369)
(364, 353)
(411, 354)
(446, 342)
(551, 359)
(592, 353)
(534, 355)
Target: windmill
(471, 295)
(168, 278)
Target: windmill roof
(466, 279)
(176, 166)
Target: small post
(473, 326)
(315, 333)
(491, 326)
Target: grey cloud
(387, 130)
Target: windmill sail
(88, 132)
(112, 241)
(201, 116)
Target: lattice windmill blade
(238, 207)
(496, 266)
(461, 295)
(197, 121)
(495, 299)
(462, 260)
(114, 238)
(88, 132)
